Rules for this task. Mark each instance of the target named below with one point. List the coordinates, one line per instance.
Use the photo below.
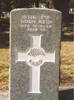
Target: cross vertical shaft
(35, 70)
(34, 80)
(36, 43)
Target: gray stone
(35, 43)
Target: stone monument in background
(35, 54)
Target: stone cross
(35, 58)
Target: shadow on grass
(4, 33)
(4, 40)
(67, 94)
(67, 37)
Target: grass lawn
(4, 69)
(67, 64)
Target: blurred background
(67, 37)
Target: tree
(6, 5)
(0, 8)
(22, 3)
(71, 3)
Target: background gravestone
(35, 43)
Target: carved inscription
(36, 23)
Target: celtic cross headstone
(35, 47)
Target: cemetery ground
(67, 57)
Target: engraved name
(36, 23)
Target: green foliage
(7, 5)
(22, 3)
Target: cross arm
(21, 57)
(49, 57)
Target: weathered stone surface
(26, 23)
